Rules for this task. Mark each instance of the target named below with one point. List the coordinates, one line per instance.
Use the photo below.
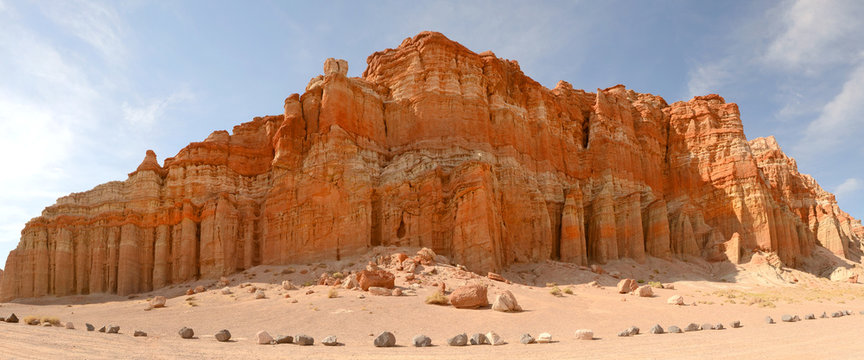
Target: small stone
(692, 327)
(479, 339)
(787, 318)
(2, 319)
(330, 341)
(223, 335)
(837, 314)
(626, 286)
(380, 291)
(113, 329)
(494, 339)
(397, 292)
(385, 339)
(544, 338)
(707, 326)
(12, 319)
(847, 312)
(861, 312)
(810, 317)
(675, 300)
(139, 333)
(584, 334)
(735, 324)
(506, 302)
(361, 296)
(656, 329)
(32, 322)
(769, 320)
(422, 341)
(287, 285)
(630, 331)
(526, 339)
(824, 315)
(645, 291)
(458, 340)
(795, 318)
(200, 289)
(70, 325)
(259, 294)
(674, 330)
(46, 324)
(186, 333)
(719, 327)
(263, 338)
(303, 340)
(158, 301)
(668, 286)
(90, 327)
(284, 339)
(226, 291)
(102, 329)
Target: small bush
(437, 298)
(568, 290)
(338, 275)
(332, 293)
(30, 320)
(640, 281)
(50, 319)
(655, 284)
(551, 284)
(555, 291)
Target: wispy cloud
(848, 187)
(148, 113)
(708, 78)
(97, 24)
(840, 119)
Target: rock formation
(437, 146)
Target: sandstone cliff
(441, 147)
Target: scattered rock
(422, 341)
(597, 269)
(505, 302)
(380, 291)
(769, 320)
(479, 339)
(795, 318)
(645, 291)
(12, 319)
(674, 330)
(469, 296)
(526, 339)
(361, 296)
(223, 335)
(350, 282)
(615, 274)
(397, 292)
(200, 289)
(377, 278)
(158, 301)
(70, 325)
(544, 338)
(675, 300)
(45, 323)
(330, 341)
(259, 294)
(226, 291)
(113, 329)
(824, 315)
(284, 339)
(139, 333)
(656, 329)
(385, 339)
(494, 339)
(223, 281)
(185, 332)
(692, 327)
(458, 340)
(303, 340)
(719, 327)
(735, 324)
(627, 285)
(836, 314)
(787, 318)
(584, 334)
(102, 329)
(630, 331)
(594, 284)
(32, 321)
(847, 312)
(668, 286)
(707, 326)
(496, 277)
(287, 285)
(427, 256)
(263, 338)
(90, 327)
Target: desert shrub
(332, 293)
(437, 298)
(338, 275)
(31, 320)
(555, 291)
(50, 319)
(655, 284)
(568, 290)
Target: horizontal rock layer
(440, 147)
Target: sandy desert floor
(713, 293)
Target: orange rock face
(437, 146)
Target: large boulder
(263, 338)
(158, 301)
(469, 296)
(627, 285)
(645, 291)
(505, 302)
(385, 339)
(377, 278)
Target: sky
(86, 87)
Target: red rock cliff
(441, 147)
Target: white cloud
(97, 24)
(841, 119)
(848, 187)
(707, 78)
(817, 34)
(147, 114)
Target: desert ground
(713, 293)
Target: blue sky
(86, 86)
